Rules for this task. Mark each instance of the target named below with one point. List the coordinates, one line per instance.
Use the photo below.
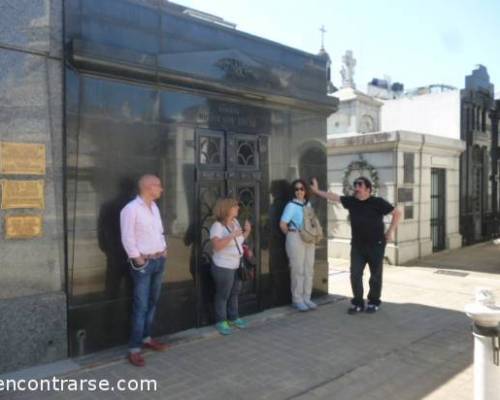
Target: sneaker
(372, 309)
(311, 304)
(223, 328)
(300, 306)
(239, 323)
(354, 310)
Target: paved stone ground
(484, 257)
(419, 346)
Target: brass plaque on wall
(23, 226)
(22, 194)
(22, 158)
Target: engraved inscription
(22, 194)
(23, 226)
(22, 158)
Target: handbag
(311, 231)
(246, 267)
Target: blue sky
(416, 42)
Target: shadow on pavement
(405, 351)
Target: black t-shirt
(367, 224)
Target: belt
(154, 256)
(292, 230)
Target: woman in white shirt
(227, 239)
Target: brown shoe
(136, 359)
(156, 345)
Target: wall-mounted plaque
(23, 226)
(22, 158)
(22, 194)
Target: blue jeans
(227, 289)
(147, 288)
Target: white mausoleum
(411, 156)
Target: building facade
(436, 113)
(412, 159)
(468, 115)
(131, 87)
(479, 218)
(418, 173)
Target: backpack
(311, 231)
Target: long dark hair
(306, 187)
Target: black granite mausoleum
(150, 88)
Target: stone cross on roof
(347, 71)
(323, 31)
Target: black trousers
(373, 255)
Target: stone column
(32, 295)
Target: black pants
(373, 255)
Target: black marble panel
(162, 38)
(119, 128)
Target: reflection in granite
(198, 52)
(213, 112)
(122, 120)
(117, 280)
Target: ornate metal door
(227, 166)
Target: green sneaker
(223, 328)
(239, 323)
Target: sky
(415, 42)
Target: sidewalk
(483, 257)
(418, 346)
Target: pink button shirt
(141, 228)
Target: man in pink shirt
(144, 241)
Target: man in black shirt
(368, 242)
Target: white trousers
(301, 257)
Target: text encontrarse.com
(56, 384)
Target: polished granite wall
(118, 130)
(144, 82)
(140, 113)
(32, 299)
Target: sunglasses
(358, 183)
(300, 189)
